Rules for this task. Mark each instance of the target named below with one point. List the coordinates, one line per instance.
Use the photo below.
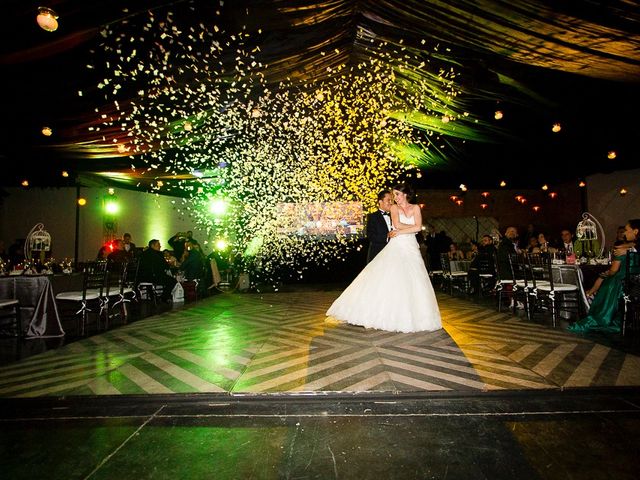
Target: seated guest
(455, 254)
(567, 241)
(473, 253)
(193, 264)
(153, 269)
(543, 245)
(604, 314)
(631, 238)
(171, 260)
(127, 245)
(532, 245)
(118, 255)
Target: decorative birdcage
(38, 240)
(590, 233)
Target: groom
(379, 225)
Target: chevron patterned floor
(280, 342)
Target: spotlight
(218, 206)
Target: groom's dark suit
(377, 231)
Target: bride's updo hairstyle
(406, 189)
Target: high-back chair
(452, 277)
(547, 293)
(522, 278)
(631, 291)
(91, 299)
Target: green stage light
(221, 244)
(111, 207)
(218, 206)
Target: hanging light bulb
(582, 184)
(545, 187)
(612, 155)
(25, 183)
(82, 201)
(65, 174)
(46, 131)
(623, 192)
(463, 187)
(503, 183)
(556, 128)
(47, 19)
(498, 115)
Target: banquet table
(40, 317)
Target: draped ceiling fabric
(540, 61)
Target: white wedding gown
(393, 292)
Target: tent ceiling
(540, 62)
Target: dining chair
(453, 277)
(483, 266)
(503, 286)
(10, 309)
(631, 294)
(121, 289)
(522, 276)
(549, 294)
(91, 298)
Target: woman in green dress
(604, 314)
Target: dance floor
(260, 386)
(282, 343)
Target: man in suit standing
(379, 225)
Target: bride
(393, 292)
